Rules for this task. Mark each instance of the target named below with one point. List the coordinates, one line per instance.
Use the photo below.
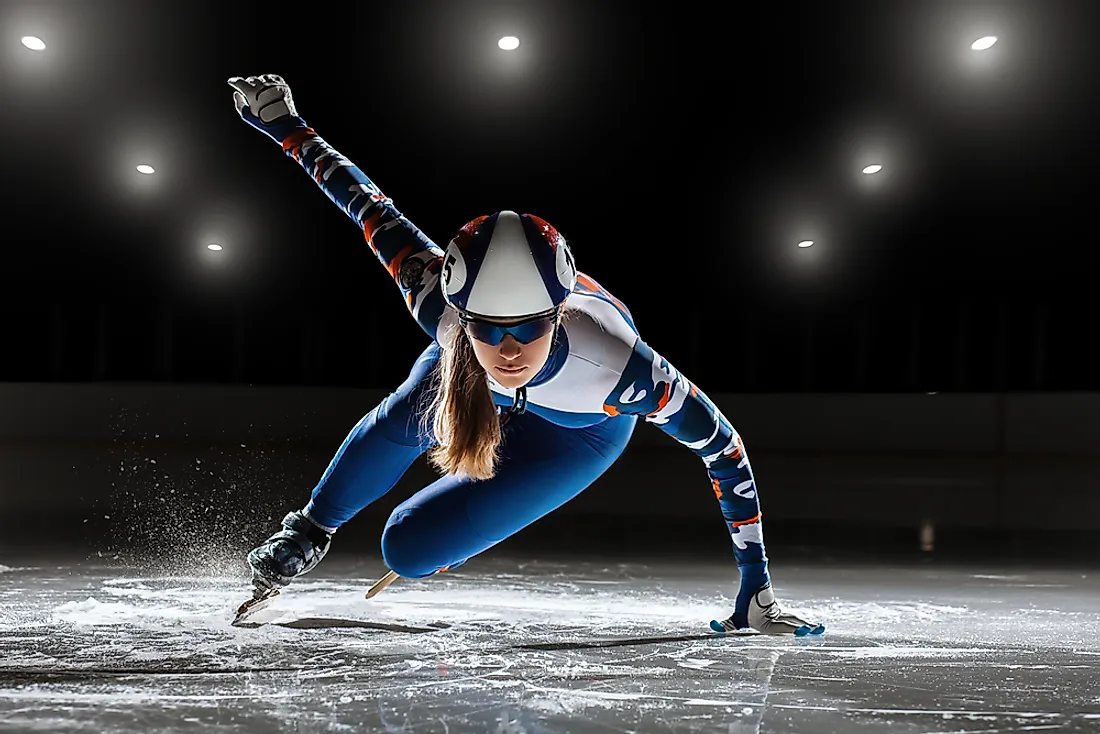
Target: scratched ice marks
(550, 647)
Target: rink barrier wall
(1017, 462)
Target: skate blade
(382, 583)
(252, 606)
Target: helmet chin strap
(519, 404)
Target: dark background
(684, 149)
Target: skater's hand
(265, 103)
(765, 615)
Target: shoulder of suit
(598, 332)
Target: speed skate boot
(294, 550)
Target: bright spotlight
(509, 43)
(873, 168)
(34, 44)
(983, 43)
(214, 247)
(146, 169)
(805, 243)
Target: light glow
(214, 247)
(873, 168)
(983, 43)
(146, 169)
(806, 243)
(509, 43)
(33, 43)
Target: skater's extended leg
(543, 467)
(378, 451)
(373, 457)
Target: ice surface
(550, 647)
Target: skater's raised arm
(410, 257)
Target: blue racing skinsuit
(580, 410)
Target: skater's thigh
(543, 467)
(378, 450)
(400, 414)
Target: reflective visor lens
(524, 332)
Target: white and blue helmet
(506, 266)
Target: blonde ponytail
(462, 412)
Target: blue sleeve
(411, 259)
(650, 387)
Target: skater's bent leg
(377, 452)
(544, 466)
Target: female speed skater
(530, 389)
